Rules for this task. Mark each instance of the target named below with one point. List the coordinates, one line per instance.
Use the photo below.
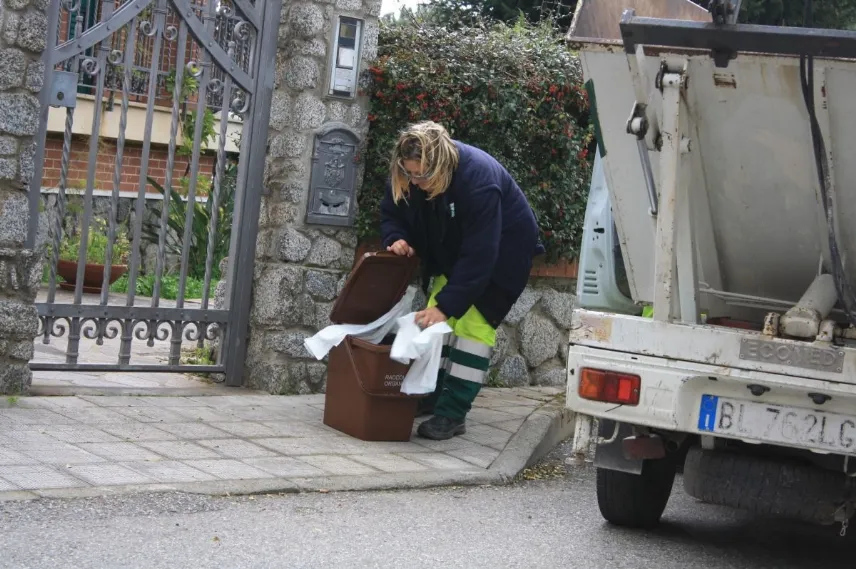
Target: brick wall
(106, 161)
(563, 269)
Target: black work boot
(441, 428)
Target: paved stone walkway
(85, 445)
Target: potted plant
(96, 250)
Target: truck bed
(757, 214)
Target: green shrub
(515, 92)
(96, 245)
(169, 286)
(177, 216)
(190, 87)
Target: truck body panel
(759, 223)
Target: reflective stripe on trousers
(461, 377)
(466, 359)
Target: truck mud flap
(610, 455)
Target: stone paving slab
(238, 443)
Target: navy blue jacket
(481, 233)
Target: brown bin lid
(376, 284)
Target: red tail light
(609, 386)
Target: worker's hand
(401, 248)
(429, 317)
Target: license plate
(777, 424)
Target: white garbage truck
(714, 326)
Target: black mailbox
(333, 182)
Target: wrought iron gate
(129, 80)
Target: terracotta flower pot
(93, 275)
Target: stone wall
(300, 268)
(24, 30)
(532, 343)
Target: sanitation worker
(464, 216)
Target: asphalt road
(531, 524)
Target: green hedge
(515, 92)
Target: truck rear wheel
(636, 500)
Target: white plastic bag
(321, 343)
(403, 349)
(424, 348)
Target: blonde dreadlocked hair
(429, 144)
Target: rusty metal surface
(598, 19)
(771, 324)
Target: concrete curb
(546, 427)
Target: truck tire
(767, 486)
(636, 500)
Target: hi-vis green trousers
(466, 358)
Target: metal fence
(184, 59)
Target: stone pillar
(300, 268)
(23, 37)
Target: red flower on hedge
(420, 96)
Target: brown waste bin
(364, 396)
